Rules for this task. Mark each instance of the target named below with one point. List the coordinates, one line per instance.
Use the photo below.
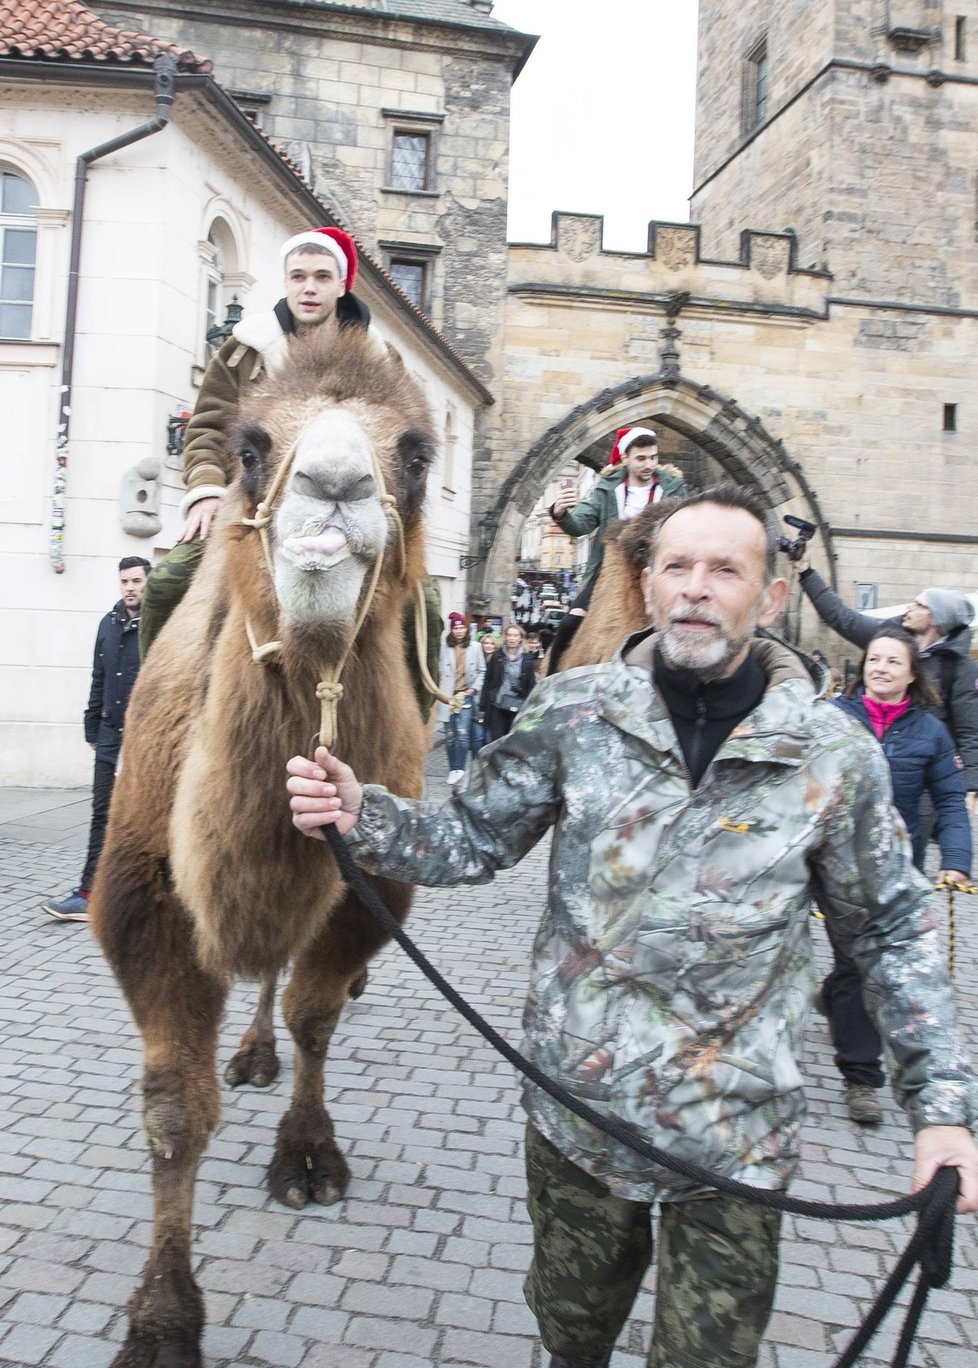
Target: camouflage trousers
(168, 581)
(718, 1265)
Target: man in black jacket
(940, 620)
(113, 675)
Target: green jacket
(672, 970)
(600, 509)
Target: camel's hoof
(256, 1065)
(140, 1352)
(313, 1172)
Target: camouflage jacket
(672, 971)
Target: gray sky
(602, 115)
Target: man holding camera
(940, 620)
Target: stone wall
(833, 411)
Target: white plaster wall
(139, 322)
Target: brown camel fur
(203, 878)
(616, 607)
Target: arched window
(214, 313)
(18, 250)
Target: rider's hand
(325, 792)
(801, 564)
(200, 515)
(565, 499)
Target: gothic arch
(740, 444)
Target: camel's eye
(415, 451)
(251, 445)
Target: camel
(203, 878)
(616, 607)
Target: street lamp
(222, 331)
(488, 525)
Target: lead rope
(952, 931)
(454, 701)
(329, 690)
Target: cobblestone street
(423, 1262)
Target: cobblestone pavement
(422, 1263)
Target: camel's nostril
(307, 486)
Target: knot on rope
(329, 691)
(263, 516)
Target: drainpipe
(165, 69)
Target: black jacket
(948, 665)
(494, 678)
(114, 673)
(921, 758)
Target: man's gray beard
(705, 659)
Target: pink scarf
(883, 715)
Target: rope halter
(329, 690)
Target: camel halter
(329, 690)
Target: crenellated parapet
(575, 265)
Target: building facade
(171, 229)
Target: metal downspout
(165, 70)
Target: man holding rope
(700, 798)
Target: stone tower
(852, 123)
(398, 113)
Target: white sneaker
(456, 776)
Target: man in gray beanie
(940, 620)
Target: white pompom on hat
(339, 244)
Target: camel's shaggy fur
(203, 878)
(616, 607)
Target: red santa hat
(625, 437)
(340, 244)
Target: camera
(794, 547)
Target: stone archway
(746, 452)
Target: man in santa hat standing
(631, 481)
(320, 267)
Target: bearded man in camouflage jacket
(700, 796)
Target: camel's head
(355, 425)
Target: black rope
(930, 1246)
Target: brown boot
(863, 1104)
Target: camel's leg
(148, 939)
(256, 1061)
(307, 1164)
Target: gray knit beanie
(949, 609)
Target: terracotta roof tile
(63, 30)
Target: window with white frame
(410, 160)
(449, 441)
(18, 252)
(214, 311)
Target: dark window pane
(17, 284)
(18, 195)
(15, 320)
(409, 275)
(409, 161)
(19, 246)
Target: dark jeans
(718, 1265)
(498, 721)
(101, 794)
(856, 1039)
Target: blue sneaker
(73, 908)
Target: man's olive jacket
(600, 509)
(672, 970)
